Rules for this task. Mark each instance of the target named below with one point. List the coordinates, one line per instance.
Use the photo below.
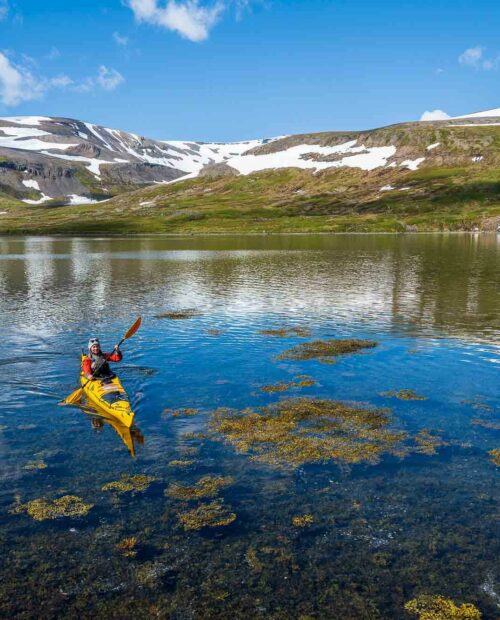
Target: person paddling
(95, 365)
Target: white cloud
(188, 18)
(474, 57)
(435, 115)
(120, 39)
(109, 79)
(17, 83)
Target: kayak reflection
(131, 437)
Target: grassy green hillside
(449, 191)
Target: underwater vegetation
(176, 413)
(35, 465)
(428, 607)
(127, 547)
(213, 331)
(403, 395)
(187, 313)
(127, 484)
(321, 349)
(298, 431)
(286, 332)
(181, 463)
(427, 443)
(494, 426)
(43, 509)
(495, 456)
(214, 514)
(302, 520)
(301, 381)
(208, 486)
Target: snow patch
(387, 188)
(41, 200)
(92, 163)
(81, 200)
(433, 146)
(485, 114)
(412, 164)
(32, 184)
(27, 120)
(3, 212)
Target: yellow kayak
(109, 396)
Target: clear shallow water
(381, 533)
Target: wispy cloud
(4, 9)
(120, 39)
(434, 115)
(19, 83)
(189, 18)
(54, 53)
(474, 57)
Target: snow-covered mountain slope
(45, 160)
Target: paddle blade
(133, 329)
(73, 398)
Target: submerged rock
(320, 349)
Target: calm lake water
(380, 531)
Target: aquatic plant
(302, 520)
(187, 313)
(253, 560)
(427, 443)
(208, 486)
(214, 332)
(35, 465)
(494, 426)
(188, 450)
(180, 463)
(429, 607)
(298, 431)
(302, 381)
(495, 456)
(403, 395)
(175, 413)
(43, 509)
(127, 547)
(137, 483)
(286, 332)
(214, 514)
(319, 349)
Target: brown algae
(43, 509)
(320, 349)
(214, 514)
(176, 413)
(428, 607)
(403, 395)
(127, 547)
(187, 313)
(302, 520)
(31, 465)
(181, 463)
(127, 484)
(208, 486)
(495, 456)
(302, 381)
(427, 443)
(494, 426)
(286, 332)
(298, 431)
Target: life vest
(99, 365)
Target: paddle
(76, 396)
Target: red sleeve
(113, 357)
(87, 366)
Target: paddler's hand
(117, 349)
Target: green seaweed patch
(128, 547)
(208, 486)
(127, 484)
(429, 607)
(494, 426)
(403, 395)
(181, 463)
(214, 514)
(298, 431)
(495, 456)
(324, 349)
(187, 313)
(43, 509)
(302, 381)
(34, 465)
(177, 413)
(286, 332)
(302, 520)
(427, 443)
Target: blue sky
(236, 69)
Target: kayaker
(95, 365)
